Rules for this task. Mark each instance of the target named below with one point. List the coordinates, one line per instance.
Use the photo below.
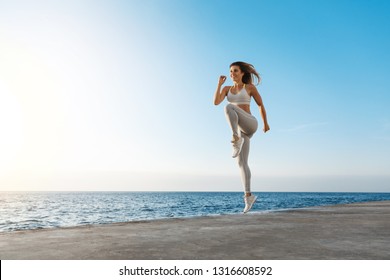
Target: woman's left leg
(249, 199)
(242, 160)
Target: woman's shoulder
(226, 89)
(251, 89)
(250, 86)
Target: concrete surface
(353, 231)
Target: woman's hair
(249, 72)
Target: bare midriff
(245, 107)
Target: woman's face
(236, 74)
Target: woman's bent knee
(229, 107)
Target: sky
(118, 95)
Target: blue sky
(117, 95)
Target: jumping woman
(240, 119)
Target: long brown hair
(249, 72)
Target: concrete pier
(352, 231)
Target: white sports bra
(241, 97)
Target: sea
(38, 210)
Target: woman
(240, 119)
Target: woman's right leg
(232, 118)
(239, 120)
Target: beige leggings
(243, 125)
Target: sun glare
(11, 139)
(28, 111)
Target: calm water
(32, 210)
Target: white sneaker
(237, 146)
(249, 201)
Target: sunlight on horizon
(69, 105)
